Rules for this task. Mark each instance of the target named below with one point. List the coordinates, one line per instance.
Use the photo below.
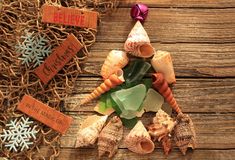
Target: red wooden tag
(45, 114)
(56, 61)
(69, 16)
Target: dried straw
(16, 80)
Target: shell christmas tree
(127, 93)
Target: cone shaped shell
(162, 62)
(88, 135)
(138, 42)
(139, 140)
(114, 61)
(185, 136)
(161, 85)
(110, 137)
(111, 82)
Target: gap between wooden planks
(125, 154)
(173, 25)
(193, 95)
(214, 131)
(182, 3)
(189, 59)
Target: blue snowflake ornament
(18, 135)
(33, 49)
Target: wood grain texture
(214, 131)
(183, 3)
(191, 60)
(125, 154)
(200, 34)
(193, 95)
(173, 25)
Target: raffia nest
(16, 80)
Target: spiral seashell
(87, 136)
(184, 133)
(160, 84)
(110, 137)
(157, 131)
(162, 125)
(139, 140)
(162, 62)
(164, 119)
(138, 42)
(114, 61)
(111, 82)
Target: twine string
(16, 80)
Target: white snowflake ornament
(19, 134)
(33, 49)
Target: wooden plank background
(200, 34)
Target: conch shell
(138, 42)
(161, 128)
(162, 62)
(161, 85)
(162, 125)
(88, 135)
(110, 137)
(114, 61)
(184, 133)
(111, 82)
(139, 140)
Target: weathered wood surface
(190, 59)
(182, 3)
(214, 131)
(124, 154)
(203, 95)
(200, 34)
(173, 25)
